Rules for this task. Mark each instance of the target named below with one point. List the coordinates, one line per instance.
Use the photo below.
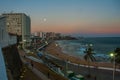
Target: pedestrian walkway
(3, 75)
(103, 68)
(38, 73)
(34, 70)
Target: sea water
(102, 47)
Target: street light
(113, 55)
(91, 45)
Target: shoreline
(57, 52)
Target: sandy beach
(57, 52)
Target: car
(70, 74)
(79, 77)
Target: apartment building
(19, 24)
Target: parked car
(70, 74)
(79, 76)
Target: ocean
(102, 46)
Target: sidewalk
(34, 70)
(41, 75)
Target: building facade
(39, 34)
(6, 38)
(19, 24)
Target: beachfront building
(19, 24)
(40, 34)
(57, 35)
(50, 35)
(47, 35)
(36, 34)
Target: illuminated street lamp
(113, 55)
(91, 45)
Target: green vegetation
(117, 55)
(89, 57)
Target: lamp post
(113, 55)
(66, 67)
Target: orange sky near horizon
(78, 27)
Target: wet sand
(57, 52)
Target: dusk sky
(78, 17)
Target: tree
(89, 57)
(117, 56)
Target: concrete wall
(13, 61)
(3, 75)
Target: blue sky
(91, 17)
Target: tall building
(50, 35)
(40, 34)
(19, 24)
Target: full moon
(44, 19)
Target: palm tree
(116, 60)
(117, 56)
(89, 57)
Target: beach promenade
(102, 71)
(27, 62)
(39, 68)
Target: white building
(40, 34)
(36, 34)
(20, 24)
